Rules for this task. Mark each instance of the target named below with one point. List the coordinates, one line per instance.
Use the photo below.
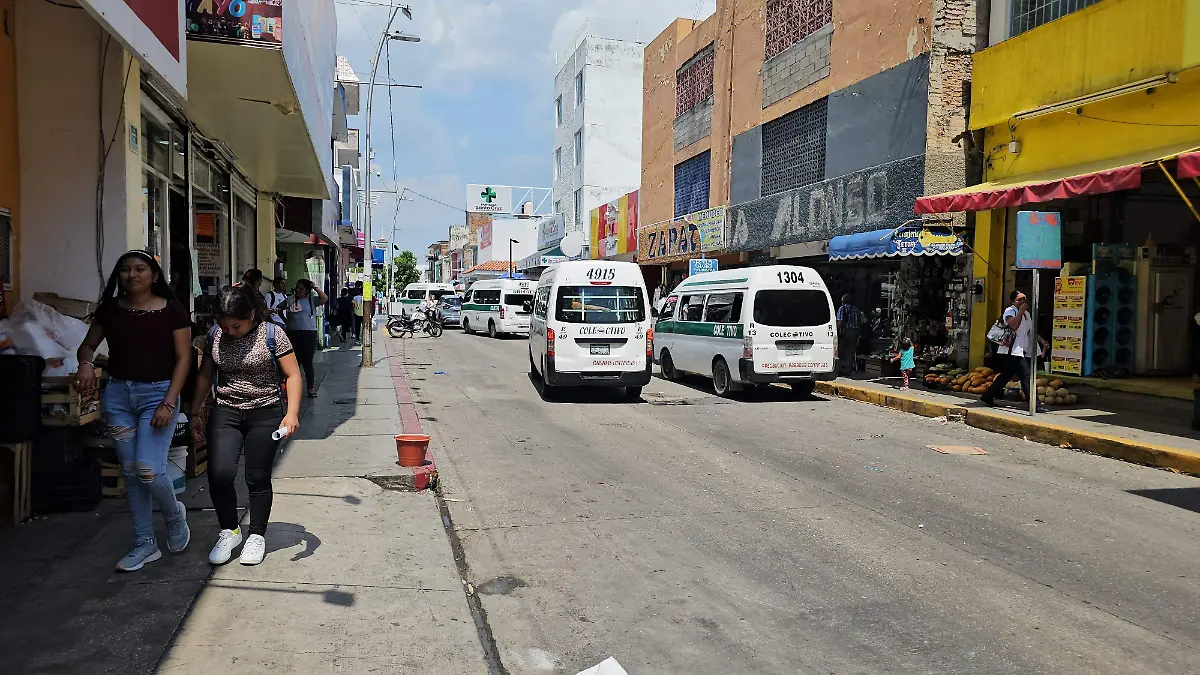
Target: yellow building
(1092, 115)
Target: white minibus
(498, 306)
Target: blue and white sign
(1039, 240)
(700, 265)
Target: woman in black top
(149, 340)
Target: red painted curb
(410, 421)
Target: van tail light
(748, 348)
(650, 342)
(501, 311)
(549, 342)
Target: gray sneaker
(142, 553)
(178, 533)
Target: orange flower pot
(410, 448)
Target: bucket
(177, 467)
(411, 449)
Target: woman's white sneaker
(254, 550)
(226, 542)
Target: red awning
(1189, 165)
(999, 194)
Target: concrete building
(597, 126)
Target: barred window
(691, 185)
(790, 21)
(1029, 14)
(694, 81)
(793, 148)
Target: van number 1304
(790, 277)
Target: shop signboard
(257, 22)
(551, 230)
(485, 235)
(489, 199)
(683, 238)
(880, 197)
(152, 29)
(614, 227)
(701, 265)
(208, 260)
(1066, 344)
(1039, 240)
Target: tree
(405, 273)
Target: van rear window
(600, 304)
(791, 308)
(518, 299)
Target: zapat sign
(871, 199)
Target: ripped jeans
(142, 451)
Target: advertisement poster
(208, 260)
(253, 21)
(485, 235)
(614, 226)
(1066, 344)
(683, 238)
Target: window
(244, 228)
(1029, 14)
(693, 308)
(578, 147)
(558, 111)
(557, 162)
(694, 81)
(519, 301)
(600, 304)
(541, 302)
(791, 308)
(438, 295)
(723, 308)
(790, 21)
(793, 148)
(579, 206)
(668, 310)
(579, 89)
(415, 294)
(691, 185)
(558, 206)
(487, 297)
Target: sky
(485, 112)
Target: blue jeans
(142, 451)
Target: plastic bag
(65, 330)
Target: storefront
(664, 248)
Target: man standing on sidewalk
(848, 321)
(358, 312)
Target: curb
(1136, 452)
(421, 477)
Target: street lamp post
(368, 357)
(510, 260)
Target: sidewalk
(1133, 435)
(359, 575)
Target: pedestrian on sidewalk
(345, 314)
(1014, 352)
(150, 346)
(848, 321)
(906, 357)
(244, 357)
(357, 303)
(277, 302)
(302, 327)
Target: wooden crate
(16, 480)
(112, 483)
(80, 309)
(81, 409)
(197, 459)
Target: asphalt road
(691, 534)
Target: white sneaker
(226, 542)
(254, 550)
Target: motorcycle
(409, 325)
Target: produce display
(943, 376)
(975, 382)
(1052, 392)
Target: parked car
(451, 307)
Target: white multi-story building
(597, 126)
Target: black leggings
(229, 431)
(304, 343)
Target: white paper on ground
(608, 666)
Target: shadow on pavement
(1184, 498)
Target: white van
(414, 294)
(498, 306)
(591, 326)
(749, 326)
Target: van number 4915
(601, 274)
(790, 277)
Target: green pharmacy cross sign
(488, 195)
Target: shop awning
(892, 243)
(1092, 178)
(1189, 165)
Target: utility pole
(368, 355)
(510, 260)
